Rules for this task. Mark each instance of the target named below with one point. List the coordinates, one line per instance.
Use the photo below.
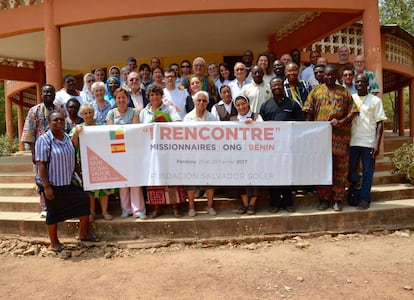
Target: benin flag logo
(118, 148)
(117, 134)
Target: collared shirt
(286, 110)
(137, 99)
(299, 92)
(257, 94)
(364, 125)
(36, 123)
(101, 112)
(60, 156)
(307, 72)
(147, 116)
(351, 89)
(236, 87)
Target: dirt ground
(354, 266)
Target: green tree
(398, 12)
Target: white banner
(206, 153)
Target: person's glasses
(133, 79)
(199, 66)
(202, 100)
(348, 75)
(185, 66)
(91, 80)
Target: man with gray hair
(199, 70)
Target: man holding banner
(332, 102)
(280, 108)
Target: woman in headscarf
(245, 114)
(224, 109)
(99, 75)
(88, 80)
(111, 85)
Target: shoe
(92, 217)
(58, 249)
(191, 212)
(211, 211)
(337, 206)
(363, 205)
(107, 216)
(43, 214)
(323, 205)
(273, 210)
(242, 210)
(91, 239)
(141, 216)
(177, 213)
(290, 209)
(251, 210)
(125, 214)
(155, 214)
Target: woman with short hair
(200, 113)
(55, 158)
(132, 198)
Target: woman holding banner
(132, 198)
(200, 113)
(157, 111)
(245, 114)
(87, 112)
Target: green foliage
(398, 12)
(2, 107)
(6, 146)
(403, 160)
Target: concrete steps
(392, 208)
(381, 215)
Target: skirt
(70, 202)
(161, 195)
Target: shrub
(6, 146)
(403, 160)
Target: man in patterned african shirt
(331, 102)
(36, 124)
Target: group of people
(270, 90)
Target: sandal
(58, 249)
(107, 216)
(242, 210)
(92, 239)
(251, 210)
(92, 217)
(155, 214)
(178, 214)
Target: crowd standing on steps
(273, 89)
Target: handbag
(76, 180)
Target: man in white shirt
(257, 91)
(136, 93)
(173, 96)
(366, 134)
(240, 72)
